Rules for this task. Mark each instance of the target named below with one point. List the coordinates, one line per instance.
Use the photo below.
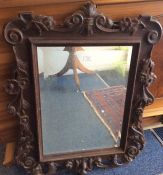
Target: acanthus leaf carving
(86, 21)
(136, 137)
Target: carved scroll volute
(88, 21)
(154, 29)
(83, 20)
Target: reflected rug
(108, 104)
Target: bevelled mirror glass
(82, 94)
(79, 89)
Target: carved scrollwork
(105, 24)
(154, 29)
(153, 36)
(14, 36)
(135, 141)
(86, 21)
(136, 137)
(147, 77)
(19, 107)
(83, 166)
(83, 20)
(12, 87)
(74, 21)
(37, 22)
(130, 25)
(17, 30)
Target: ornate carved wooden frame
(89, 25)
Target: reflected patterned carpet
(149, 162)
(109, 104)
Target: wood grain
(155, 109)
(19, 3)
(152, 122)
(157, 55)
(9, 154)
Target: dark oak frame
(84, 27)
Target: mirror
(82, 93)
(79, 89)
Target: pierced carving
(19, 107)
(86, 21)
(83, 166)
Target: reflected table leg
(74, 63)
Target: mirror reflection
(82, 96)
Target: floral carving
(129, 25)
(87, 21)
